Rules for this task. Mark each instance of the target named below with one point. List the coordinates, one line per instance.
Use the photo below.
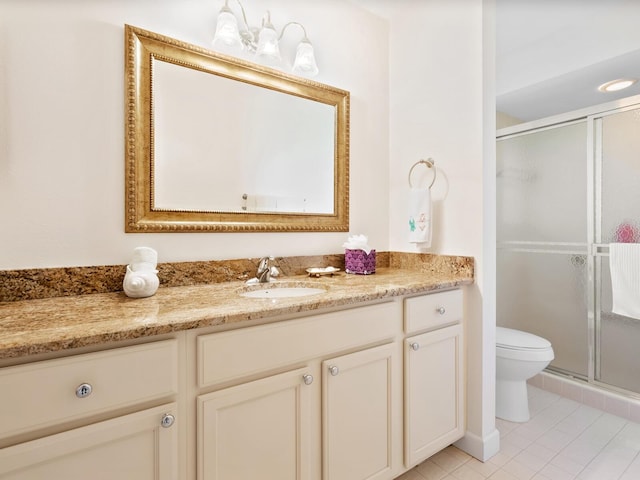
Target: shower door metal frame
(558, 248)
(592, 224)
(595, 249)
(599, 250)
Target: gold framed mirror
(218, 144)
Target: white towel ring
(429, 163)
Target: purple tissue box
(356, 261)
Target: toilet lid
(516, 339)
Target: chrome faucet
(264, 270)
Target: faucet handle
(274, 271)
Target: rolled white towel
(144, 258)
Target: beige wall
(442, 106)
(62, 127)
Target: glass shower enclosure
(565, 190)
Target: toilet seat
(509, 338)
(519, 345)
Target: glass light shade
(227, 34)
(305, 62)
(268, 51)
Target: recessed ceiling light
(615, 85)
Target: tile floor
(564, 440)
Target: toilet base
(512, 402)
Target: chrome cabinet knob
(441, 310)
(415, 346)
(83, 390)
(333, 370)
(307, 379)
(167, 420)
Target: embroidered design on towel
(422, 222)
(419, 215)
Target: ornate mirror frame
(141, 48)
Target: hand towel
(624, 263)
(420, 217)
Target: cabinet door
(357, 415)
(132, 447)
(434, 392)
(260, 429)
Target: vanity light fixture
(263, 42)
(305, 62)
(615, 85)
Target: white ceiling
(551, 55)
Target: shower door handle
(600, 249)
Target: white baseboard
(481, 448)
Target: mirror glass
(216, 143)
(204, 161)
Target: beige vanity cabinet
(99, 415)
(321, 396)
(358, 413)
(434, 374)
(261, 429)
(322, 399)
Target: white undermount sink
(275, 291)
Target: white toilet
(519, 356)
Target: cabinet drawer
(432, 311)
(248, 351)
(43, 393)
(129, 447)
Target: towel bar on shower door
(429, 163)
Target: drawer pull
(83, 390)
(333, 370)
(167, 420)
(307, 379)
(441, 310)
(415, 346)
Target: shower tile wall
(609, 401)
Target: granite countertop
(46, 325)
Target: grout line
(630, 463)
(609, 442)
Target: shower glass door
(542, 234)
(617, 219)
